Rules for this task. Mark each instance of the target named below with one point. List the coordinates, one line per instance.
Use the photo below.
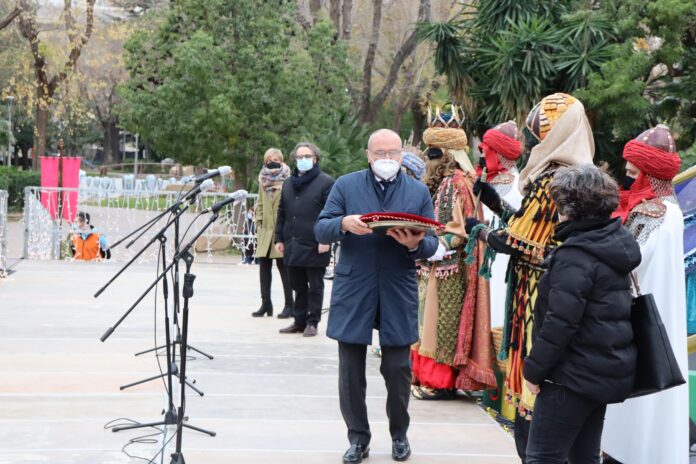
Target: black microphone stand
(169, 344)
(188, 292)
(172, 370)
(177, 340)
(177, 456)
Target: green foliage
(343, 148)
(650, 77)
(13, 180)
(220, 81)
(632, 62)
(4, 134)
(502, 58)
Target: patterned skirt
(440, 307)
(523, 281)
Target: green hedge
(14, 180)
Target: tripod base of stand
(170, 418)
(177, 458)
(189, 348)
(175, 373)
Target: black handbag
(657, 367)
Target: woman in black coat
(302, 199)
(583, 355)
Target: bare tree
(370, 107)
(347, 17)
(335, 13)
(10, 17)
(365, 106)
(314, 8)
(47, 85)
(407, 48)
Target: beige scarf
(568, 143)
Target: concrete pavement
(270, 397)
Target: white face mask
(385, 168)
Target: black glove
(489, 196)
(470, 224)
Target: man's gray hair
(584, 192)
(381, 132)
(311, 146)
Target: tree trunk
(419, 122)
(347, 17)
(401, 55)
(365, 107)
(240, 178)
(335, 12)
(111, 147)
(40, 130)
(314, 7)
(24, 147)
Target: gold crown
(453, 118)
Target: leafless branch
(10, 17)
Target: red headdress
(654, 154)
(497, 142)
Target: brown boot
(292, 329)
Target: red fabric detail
(497, 143)
(431, 374)
(49, 179)
(629, 199)
(71, 179)
(474, 356)
(393, 216)
(652, 162)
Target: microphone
(200, 188)
(233, 197)
(221, 171)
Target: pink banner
(71, 180)
(49, 179)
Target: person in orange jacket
(87, 242)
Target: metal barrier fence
(3, 232)
(48, 228)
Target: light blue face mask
(305, 164)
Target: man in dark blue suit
(375, 286)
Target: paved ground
(270, 398)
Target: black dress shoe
(401, 450)
(263, 311)
(285, 313)
(292, 329)
(356, 453)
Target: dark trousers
(521, 434)
(352, 387)
(266, 276)
(565, 427)
(308, 284)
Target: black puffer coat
(302, 199)
(583, 338)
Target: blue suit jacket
(374, 272)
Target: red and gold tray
(390, 220)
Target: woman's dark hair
(584, 192)
(311, 146)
